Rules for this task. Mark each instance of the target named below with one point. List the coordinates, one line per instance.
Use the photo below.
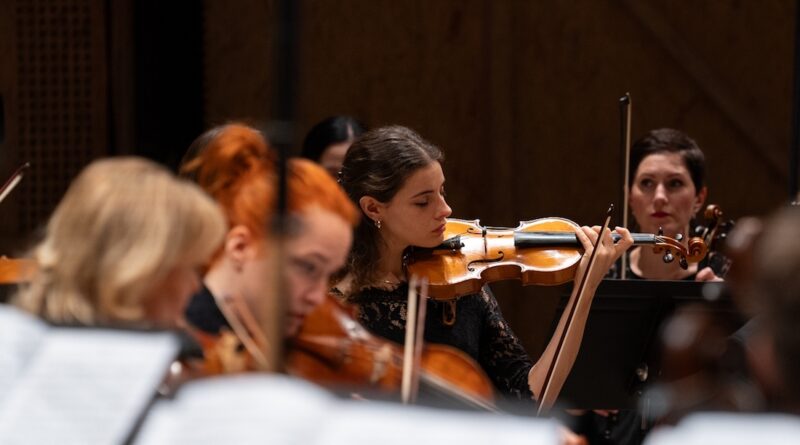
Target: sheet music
(369, 423)
(280, 410)
(244, 409)
(20, 334)
(85, 386)
(730, 429)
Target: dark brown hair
(333, 130)
(667, 140)
(378, 165)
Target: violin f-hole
(485, 260)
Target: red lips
(440, 229)
(659, 214)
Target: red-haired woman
(236, 169)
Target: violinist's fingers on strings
(587, 237)
(626, 240)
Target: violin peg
(683, 263)
(660, 231)
(679, 237)
(668, 257)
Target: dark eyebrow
(422, 193)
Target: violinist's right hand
(608, 253)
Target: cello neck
(569, 239)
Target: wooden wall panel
(238, 60)
(8, 159)
(57, 105)
(412, 63)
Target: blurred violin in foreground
(544, 251)
(332, 349)
(15, 270)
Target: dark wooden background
(521, 95)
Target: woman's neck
(390, 263)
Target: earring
(378, 224)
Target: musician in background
(235, 167)
(123, 248)
(666, 190)
(396, 179)
(327, 141)
(774, 344)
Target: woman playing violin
(667, 189)
(396, 179)
(123, 248)
(234, 166)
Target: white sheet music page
(729, 429)
(85, 386)
(20, 334)
(369, 423)
(239, 409)
(279, 410)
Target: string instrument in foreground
(14, 271)
(242, 348)
(333, 349)
(544, 251)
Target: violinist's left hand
(608, 253)
(707, 274)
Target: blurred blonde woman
(124, 247)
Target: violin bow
(13, 181)
(557, 368)
(245, 327)
(625, 106)
(412, 350)
(420, 338)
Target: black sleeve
(502, 354)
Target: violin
(15, 271)
(238, 349)
(333, 349)
(544, 251)
(714, 232)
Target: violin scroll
(695, 250)
(714, 232)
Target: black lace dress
(473, 324)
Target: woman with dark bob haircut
(328, 141)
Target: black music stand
(619, 354)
